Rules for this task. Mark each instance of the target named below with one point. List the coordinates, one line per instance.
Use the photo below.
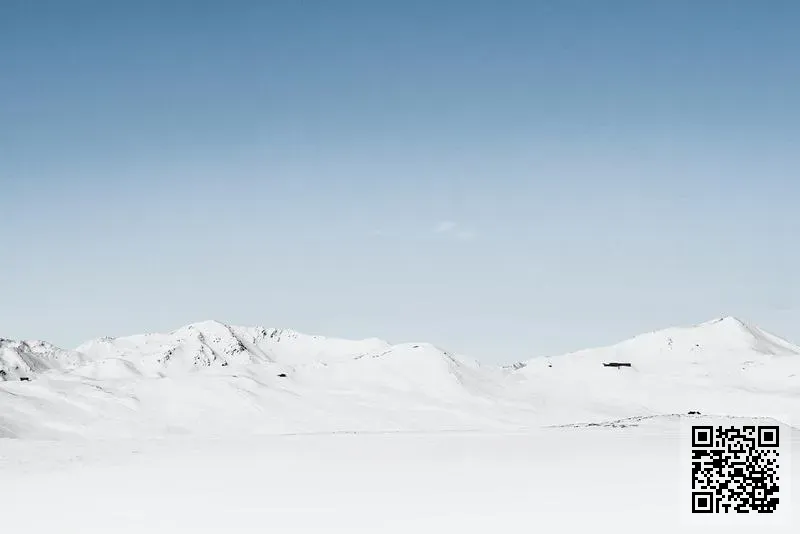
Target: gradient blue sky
(504, 179)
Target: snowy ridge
(210, 378)
(215, 344)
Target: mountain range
(210, 378)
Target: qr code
(735, 469)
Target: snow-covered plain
(548, 480)
(214, 428)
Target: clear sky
(504, 179)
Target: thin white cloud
(445, 227)
(454, 230)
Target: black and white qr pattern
(735, 469)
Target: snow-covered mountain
(721, 366)
(212, 378)
(212, 344)
(726, 342)
(24, 359)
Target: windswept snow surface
(217, 428)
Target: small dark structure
(282, 375)
(24, 378)
(616, 364)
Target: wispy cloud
(444, 227)
(454, 230)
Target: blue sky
(505, 179)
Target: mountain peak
(728, 326)
(206, 325)
(726, 321)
